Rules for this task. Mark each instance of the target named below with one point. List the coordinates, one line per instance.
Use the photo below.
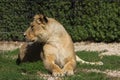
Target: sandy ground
(103, 48)
(111, 73)
(5, 45)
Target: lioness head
(38, 29)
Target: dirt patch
(9, 45)
(110, 73)
(48, 76)
(104, 48)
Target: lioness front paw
(57, 73)
(68, 72)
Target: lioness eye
(32, 27)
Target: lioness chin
(58, 51)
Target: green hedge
(94, 20)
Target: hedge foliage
(95, 20)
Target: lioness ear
(45, 19)
(42, 19)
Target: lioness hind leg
(69, 67)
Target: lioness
(58, 51)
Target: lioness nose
(24, 35)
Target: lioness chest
(60, 57)
(60, 54)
